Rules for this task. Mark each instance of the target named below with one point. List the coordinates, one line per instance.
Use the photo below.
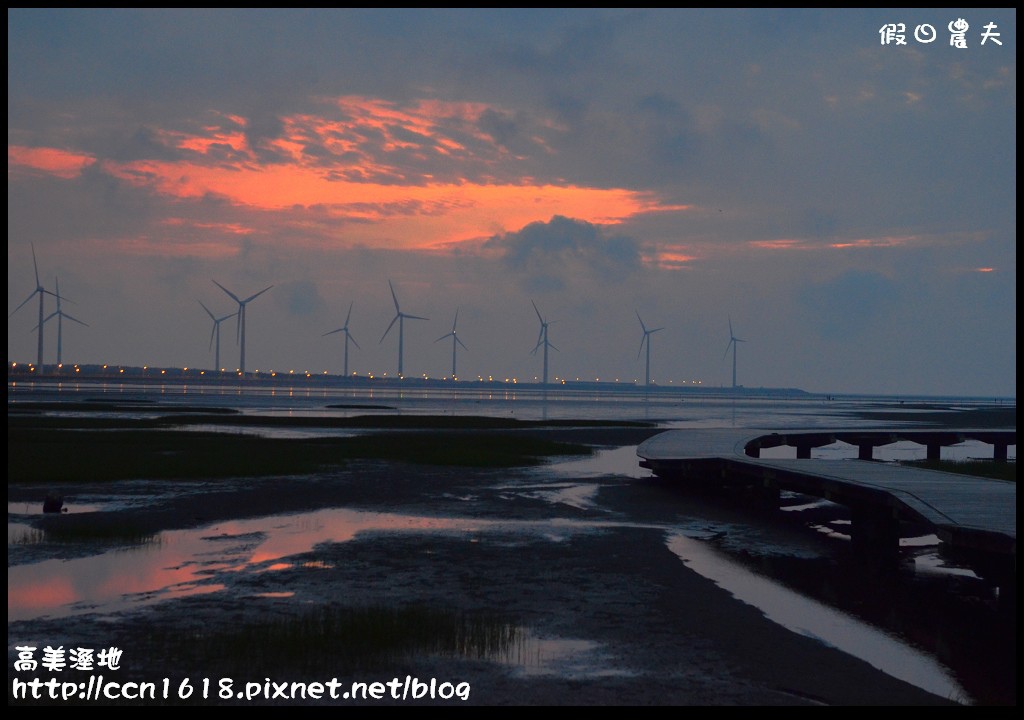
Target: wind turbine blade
(24, 302)
(253, 297)
(349, 314)
(726, 353)
(332, 332)
(46, 319)
(553, 347)
(443, 337)
(538, 312)
(456, 320)
(641, 346)
(460, 342)
(63, 314)
(212, 316)
(226, 317)
(349, 336)
(641, 323)
(389, 328)
(213, 331)
(35, 266)
(414, 317)
(394, 297)
(651, 332)
(233, 296)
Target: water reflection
(820, 622)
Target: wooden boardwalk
(977, 515)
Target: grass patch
(61, 455)
(344, 639)
(58, 531)
(978, 468)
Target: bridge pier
(875, 536)
(999, 452)
(803, 451)
(934, 451)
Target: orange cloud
(811, 244)
(876, 242)
(62, 163)
(423, 175)
(417, 216)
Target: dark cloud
(299, 298)
(847, 305)
(548, 256)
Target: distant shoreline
(148, 376)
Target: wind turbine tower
(241, 319)
(733, 341)
(542, 341)
(400, 318)
(455, 343)
(40, 291)
(60, 315)
(215, 332)
(646, 340)
(348, 336)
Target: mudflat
(522, 586)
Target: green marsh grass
(82, 453)
(998, 470)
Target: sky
(846, 205)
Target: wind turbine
(241, 319)
(60, 315)
(455, 342)
(348, 336)
(41, 291)
(400, 318)
(733, 340)
(542, 339)
(215, 332)
(646, 339)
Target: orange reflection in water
(189, 562)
